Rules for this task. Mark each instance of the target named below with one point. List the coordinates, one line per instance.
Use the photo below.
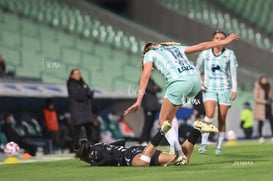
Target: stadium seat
(204, 11)
(250, 11)
(12, 55)
(72, 39)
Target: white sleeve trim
(233, 72)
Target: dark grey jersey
(116, 154)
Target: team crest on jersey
(225, 59)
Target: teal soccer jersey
(171, 61)
(216, 68)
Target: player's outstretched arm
(211, 44)
(146, 73)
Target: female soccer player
(219, 65)
(182, 80)
(115, 154)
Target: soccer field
(245, 161)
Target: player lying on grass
(116, 154)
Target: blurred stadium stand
(205, 11)
(48, 38)
(85, 36)
(193, 21)
(257, 13)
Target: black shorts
(134, 150)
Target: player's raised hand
(231, 37)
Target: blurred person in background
(247, 120)
(219, 66)
(150, 106)
(198, 107)
(263, 97)
(3, 70)
(51, 123)
(66, 130)
(8, 128)
(81, 97)
(3, 139)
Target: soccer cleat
(202, 149)
(181, 160)
(166, 126)
(178, 161)
(204, 127)
(218, 151)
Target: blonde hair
(170, 43)
(150, 45)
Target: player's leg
(187, 147)
(223, 107)
(145, 158)
(166, 158)
(210, 110)
(172, 138)
(222, 114)
(167, 112)
(176, 95)
(175, 147)
(189, 143)
(158, 159)
(209, 105)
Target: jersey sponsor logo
(185, 68)
(215, 67)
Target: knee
(210, 114)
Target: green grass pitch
(247, 161)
